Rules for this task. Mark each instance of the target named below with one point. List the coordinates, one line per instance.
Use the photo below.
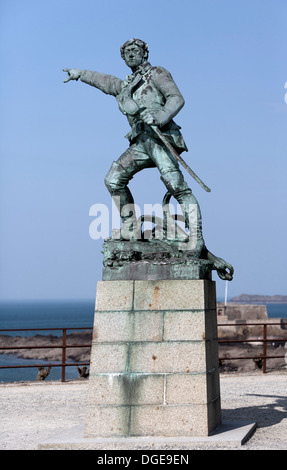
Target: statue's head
(134, 52)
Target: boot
(179, 189)
(131, 229)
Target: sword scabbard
(178, 157)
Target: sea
(56, 314)
(41, 314)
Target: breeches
(146, 152)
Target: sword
(178, 157)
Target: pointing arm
(106, 83)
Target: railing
(62, 346)
(264, 341)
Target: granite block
(168, 357)
(114, 295)
(126, 389)
(128, 326)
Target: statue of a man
(148, 97)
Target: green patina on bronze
(150, 99)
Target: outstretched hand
(73, 74)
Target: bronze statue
(150, 99)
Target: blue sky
(58, 140)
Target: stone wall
(233, 311)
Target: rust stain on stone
(156, 297)
(154, 358)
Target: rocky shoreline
(48, 354)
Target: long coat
(151, 88)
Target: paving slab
(230, 434)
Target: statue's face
(134, 56)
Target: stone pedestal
(154, 360)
